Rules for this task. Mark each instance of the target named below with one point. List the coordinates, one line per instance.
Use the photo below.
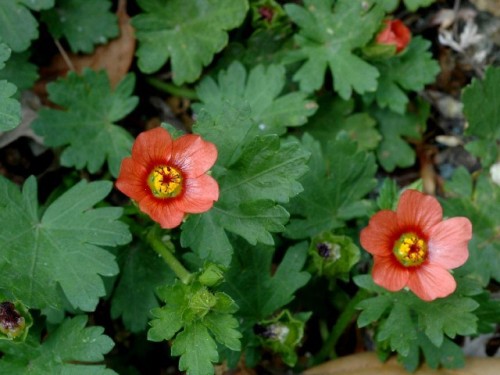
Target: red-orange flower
(414, 247)
(168, 177)
(395, 33)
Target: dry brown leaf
(115, 57)
(368, 364)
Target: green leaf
(260, 90)
(197, 350)
(447, 316)
(87, 123)
(448, 354)
(141, 273)
(399, 329)
(409, 71)
(336, 115)
(481, 102)
(254, 175)
(327, 38)
(339, 177)
(373, 309)
(18, 27)
(394, 151)
(388, 195)
(413, 5)
(193, 310)
(38, 4)
(401, 319)
(19, 71)
(61, 250)
(188, 33)
(83, 24)
(168, 319)
(268, 168)
(257, 293)
(10, 109)
(484, 249)
(488, 312)
(224, 328)
(70, 349)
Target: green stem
(345, 318)
(167, 254)
(182, 92)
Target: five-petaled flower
(394, 33)
(414, 247)
(168, 177)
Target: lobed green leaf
(61, 250)
(187, 33)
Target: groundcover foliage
(294, 141)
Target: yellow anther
(165, 181)
(410, 250)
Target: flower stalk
(165, 250)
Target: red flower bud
(394, 33)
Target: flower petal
(430, 281)
(152, 147)
(382, 231)
(132, 180)
(162, 211)
(448, 242)
(418, 212)
(193, 155)
(200, 194)
(388, 273)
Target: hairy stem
(165, 250)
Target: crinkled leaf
(409, 71)
(71, 349)
(328, 37)
(61, 250)
(197, 350)
(339, 178)
(191, 311)
(481, 108)
(187, 33)
(141, 273)
(87, 122)
(249, 282)
(260, 89)
(254, 175)
(83, 23)
(336, 115)
(267, 169)
(394, 151)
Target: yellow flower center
(165, 182)
(410, 250)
